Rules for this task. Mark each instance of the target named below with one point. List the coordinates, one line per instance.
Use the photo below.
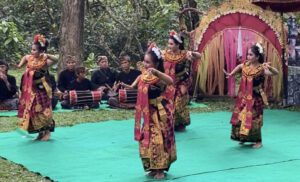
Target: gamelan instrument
(127, 95)
(84, 97)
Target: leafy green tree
(12, 44)
(111, 27)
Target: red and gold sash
(170, 61)
(142, 109)
(245, 94)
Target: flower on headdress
(260, 48)
(152, 47)
(40, 39)
(174, 34)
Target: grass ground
(13, 172)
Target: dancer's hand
(153, 71)
(189, 55)
(123, 85)
(227, 74)
(266, 66)
(193, 56)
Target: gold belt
(161, 110)
(181, 73)
(262, 93)
(46, 85)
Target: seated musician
(104, 77)
(127, 75)
(68, 75)
(81, 85)
(8, 95)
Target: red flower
(39, 39)
(173, 33)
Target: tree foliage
(26, 18)
(12, 42)
(112, 27)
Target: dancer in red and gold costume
(35, 102)
(156, 136)
(177, 64)
(247, 117)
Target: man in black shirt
(127, 76)
(67, 76)
(105, 77)
(81, 83)
(8, 87)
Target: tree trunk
(71, 32)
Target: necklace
(175, 57)
(36, 63)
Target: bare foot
(46, 136)
(40, 136)
(152, 173)
(159, 175)
(257, 145)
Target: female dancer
(35, 101)
(156, 137)
(177, 63)
(247, 117)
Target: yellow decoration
(210, 75)
(175, 58)
(149, 78)
(37, 63)
(240, 6)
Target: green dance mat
(107, 152)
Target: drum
(127, 96)
(84, 97)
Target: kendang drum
(127, 96)
(84, 97)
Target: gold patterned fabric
(247, 116)
(35, 108)
(156, 135)
(182, 112)
(178, 93)
(161, 152)
(240, 133)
